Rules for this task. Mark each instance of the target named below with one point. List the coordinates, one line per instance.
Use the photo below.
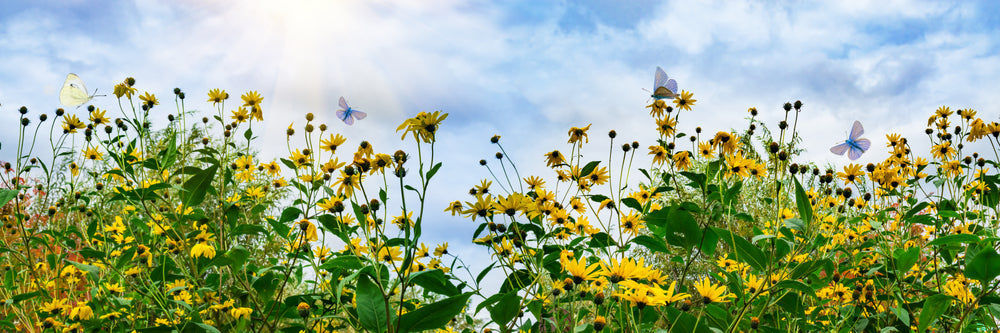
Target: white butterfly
(74, 93)
(347, 114)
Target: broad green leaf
(506, 309)
(906, 259)
(934, 307)
(984, 266)
(802, 201)
(6, 196)
(652, 243)
(371, 305)
(745, 251)
(434, 315)
(196, 186)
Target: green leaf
(371, 305)
(906, 259)
(632, 203)
(954, 239)
(515, 281)
(239, 256)
(796, 285)
(802, 201)
(934, 307)
(651, 243)
(601, 239)
(984, 266)
(196, 187)
(433, 171)
(506, 309)
(6, 196)
(348, 262)
(199, 327)
(745, 251)
(589, 168)
(434, 315)
(435, 281)
(90, 269)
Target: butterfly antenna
(95, 93)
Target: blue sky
(526, 70)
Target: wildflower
(123, 89)
(93, 154)
(534, 182)
(684, 101)
(71, 123)
(82, 311)
(330, 144)
(659, 153)
(423, 126)
(738, 165)
(253, 99)
(554, 159)
(669, 295)
(641, 295)
(483, 207)
(666, 126)
(682, 160)
(657, 108)
(202, 250)
(404, 221)
(726, 142)
(441, 250)
(216, 96)
(711, 293)
(943, 150)
(455, 207)
(389, 254)
(348, 183)
(631, 224)
(240, 115)
(952, 168)
(240, 313)
(422, 251)
(579, 269)
(300, 160)
(599, 176)
(576, 133)
(600, 321)
(851, 173)
(617, 271)
(706, 150)
(97, 117)
(149, 99)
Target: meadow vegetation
(112, 224)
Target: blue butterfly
(663, 86)
(347, 114)
(854, 143)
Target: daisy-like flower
(241, 115)
(71, 123)
(253, 99)
(423, 126)
(851, 173)
(389, 254)
(97, 117)
(706, 150)
(149, 99)
(534, 182)
(241, 313)
(331, 143)
(712, 293)
(659, 153)
(441, 249)
(682, 160)
(684, 101)
(202, 250)
(576, 134)
(725, 141)
(93, 154)
(627, 269)
(666, 126)
(217, 95)
(657, 108)
(579, 269)
(943, 150)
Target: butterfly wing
(672, 86)
(358, 114)
(345, 115)
(73, 92)
(661, 78)
(854, 153)
(343, 103)
(856, 131)
(840, 149)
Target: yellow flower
(240, 313)
(626, 269)
(943, 150)
(389, 254)
(300, 160)
(97, 117)
(71, 123)
(684, 101)
(441, 250)
(666, 126)
(576, 133)
(216, 96)
(554, 159)
(149, 99)
(711, 293)
(579, 269)
(330, 144)
(657, 108)
(423, 126)
(851, 173)
(682, 160)
(253, 100)
(240, 115)
(706, 150)
(93, 154)
(81, 312)
(659, 154)
(202, 250)
(124, 89)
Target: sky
(526, 70)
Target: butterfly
(74, 93)
(663, 86)
(855, 144)
(347, 114)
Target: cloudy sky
(526, 70)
